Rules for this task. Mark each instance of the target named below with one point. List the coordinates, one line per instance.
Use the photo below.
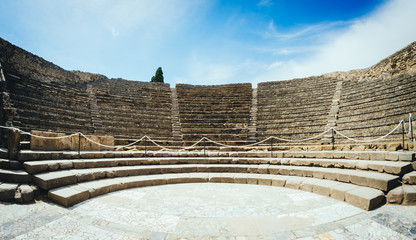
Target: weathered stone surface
(294, 182)
(24, 194)
(307, 184)
(69, 195)
(95, 188)
(395, 196)
(365, 198)
(51, 180)
(69, 142)
(279, 181)
(221, 177)
(338, 191)
(15, 176)
(13, 143)
(39, 143)
(410, 178)
(409, 195)
(323, 187)
(7, 191)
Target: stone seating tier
(49, 106)
(70, 180)
(359, 88)
(385, 106)
(388, 95)
(217, 112)
(294, 109)
(27, 124)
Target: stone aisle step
(176, 124)
(381, 181)
(362, 197)
(15, 176)
(252, 126)
(95, 113)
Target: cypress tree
(158, 77)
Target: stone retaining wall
(68, 143)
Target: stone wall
(68, 143)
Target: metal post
(411, 129)
(204, 147)
(79, 145)
(145, 146)
(403, 134)
(333, 140)
(271, 147)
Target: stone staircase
(176, 124)
(15, 183)
(95, 113)
(366, 179)
(252, 125)
(333, 113)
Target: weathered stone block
(294, 182)
(7, 191)
(338, 191)
(51, 180)
(410, 178)
(365, 198)
(69, 195)
(409, 195)
(395, 196)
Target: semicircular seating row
(363, 179)
(291, 109)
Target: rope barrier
(209, 140)
(108, 146)
(43, 137)
(370, 140)
(306, 139)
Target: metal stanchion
(79, 145)
(204, 146)
(333, 140)
(145, 146)
(411, 129)
(403, 135)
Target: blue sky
(208, 41)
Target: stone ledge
(384, 182)
(27, 155)
(362, 197)
(396, 168)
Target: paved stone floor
(206, 211)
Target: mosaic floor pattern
(207, 211)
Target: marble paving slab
(207, 211)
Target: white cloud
(364, 43)
(265, 3)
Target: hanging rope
(210, 140)
(370, 140)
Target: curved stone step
(410, 178)
(381, 181)
(362, 197)
(405, 195)
(28, 155)
(20, 193)
(15, 176)
(10, 164)
(396, 168)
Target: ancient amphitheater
(71, 136)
